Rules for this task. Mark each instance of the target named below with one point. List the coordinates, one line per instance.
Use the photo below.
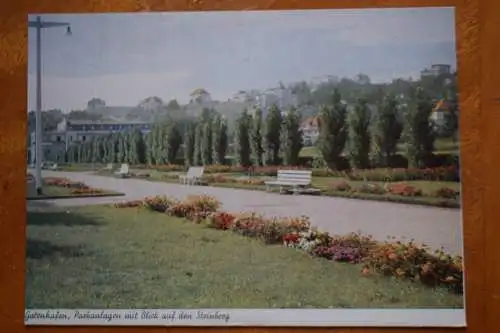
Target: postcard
(251, 168)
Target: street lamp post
(38, 24)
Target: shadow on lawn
(61, 217)
(38, 249)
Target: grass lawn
(104, 257)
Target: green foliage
(272, 136)
(386, 131)
(198, 139)
(418, 132)
(256, 138)
(206, 143)
(333, 131)
(358, 140)
(189, 139)
(242, 140)
(173, 141)
(219, 139)
(290, 138)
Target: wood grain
(478, 39)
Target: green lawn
(104, 257)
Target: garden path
(436, 227)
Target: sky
(125, 58)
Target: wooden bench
(294, 181)
(193, 175)
(123, 172)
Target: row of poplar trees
(369, 139)
(365, 138)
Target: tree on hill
(95, 103)
(358, 140)
(418, 131)
(333, 131)
(290, 138)
(386, 131)
(272, 136)
(242, 140)
(173, 105)
(256, 138)
(219, 139)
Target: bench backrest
(196, 171)
(300, 177)
(124, 168)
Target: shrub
(220, 220)
(159, 203)
(218, 179)
(404, 189)
(341, 186)
(370, 189)
(64, 182)
(86, 190)
(129, 204)
(396, 175)
(204, 203)
(251, 181)
(339, 253)
(416, 263)
(168, 168)
(446, 192)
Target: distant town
(62, 130)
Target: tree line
(364, 137)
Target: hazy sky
(124, 58)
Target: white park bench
(108, 167)
(123, 172)
(295, 181)
(193, 175)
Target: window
(83, 138)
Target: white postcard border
(248, 317)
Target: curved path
(436, 227)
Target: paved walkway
(434, 226)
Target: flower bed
(72, 188)
(64, 182)
(393, 258)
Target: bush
(220, 220)
(446, 193)
(370, 189)
(341, 186)
(339, 253)
(416, 263)
(159, 203)
(86, 190)
(404, 189)
(398, 175)
(129, 204)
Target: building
(436, 70)
(69, 132)
(283, 98)
(310, 130)
(441, 116)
